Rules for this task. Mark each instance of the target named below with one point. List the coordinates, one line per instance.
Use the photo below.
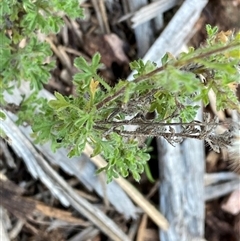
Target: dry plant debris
(69, 43)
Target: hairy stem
(159, 69)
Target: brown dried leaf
(12, 201)
(110, 46)
(232, 205)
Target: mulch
(117, 45)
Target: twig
(98, 13)
(39, 166)
(8, 157)
(3, 231)
(144, 32)
(136, 196)
(104, 16)
(213, 178)
(87, 234)
(80, 167)
(151, 11)
(13, 234)
(178, 63)
(219, 190)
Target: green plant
(113, 120)
(23, 20)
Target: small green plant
(113, 120)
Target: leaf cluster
(23, 56)
(113, 120)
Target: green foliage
(94, 115)
(123, 157)
(2, 115)
(89, 71)
(21, 21)
(142, 68)
(113, 120)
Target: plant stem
(143, 123)
(159, 69)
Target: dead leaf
(232, 205)
(224, 36)
(110, 46)
(24, 208)
(9, 196)
(93, 86)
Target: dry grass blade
(212, 99)
(58, 214)
(136, 196)
(40, 168)
(80, 167)
(219, 190)
(3, 229)
(142, 228)
(13, 234)
(151, 11)
(213, 178)
(7, 154)
(178, 31)
(87, 234)
(24, 207)
(175, 162)
(144, 32)
(101, 15)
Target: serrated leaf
(164, 59)
(83, 79)
(124, 173)
(114, 174)
(136, 176)
(96, 60)
(81, 121)
(134, 65)
(4, 8)
(82, 64)
(60, 103)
